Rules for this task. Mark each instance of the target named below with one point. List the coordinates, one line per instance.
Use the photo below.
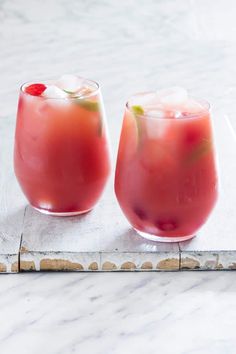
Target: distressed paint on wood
(100, 240)
(103, 240)
(12, 203)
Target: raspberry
(35, 89)
(140, 213)
(166, 225)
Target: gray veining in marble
(135, 313)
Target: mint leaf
(69, 92)
(203, 148)
(91, 106)
(100, 127)
(137, 110)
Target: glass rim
(93, 93)
(206, 107)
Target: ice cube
(53, 91)
(70, 83)
(143, 99)
(83, 91)
(173, 96)
(42, 108)
(155, 113)
(177, 114)
(192, 107)
(156, 129)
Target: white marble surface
(135, 313)
(126, 46)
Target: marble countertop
(126, 46)
(65, 313)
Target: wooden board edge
(59, 261)
(208, 260)
(9, 263)
(140, 261)
(98, 261)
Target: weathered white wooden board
(12, 204)
(103, 240)
(99, 240)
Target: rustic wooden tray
(102, 240)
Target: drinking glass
(166, 176)
(61, 155)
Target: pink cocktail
(61, 154)
(166, 178)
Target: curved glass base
(72, 213)
(163, 238)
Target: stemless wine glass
(166, 178)
(61, 155)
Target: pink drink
(166, 178)
(61, 152)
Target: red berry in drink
(35, 89)
(166, 225)
(140, 213)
